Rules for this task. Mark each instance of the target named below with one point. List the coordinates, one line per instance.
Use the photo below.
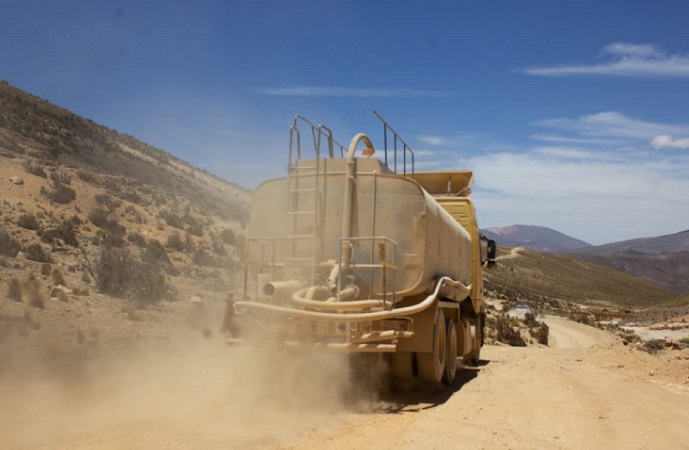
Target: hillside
(663, 260)
(104, 238)
(540, 239)
(525, 274)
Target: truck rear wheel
(404, 367)
(432, 364)
(476, 328)
(451, 357)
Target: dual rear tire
(441, 363)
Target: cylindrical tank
(429, 242)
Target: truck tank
(352, 254)
(420, 238)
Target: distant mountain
(541, 239)
(663, 260)
(661, 244)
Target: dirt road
(585, 391)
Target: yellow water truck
(357, 254)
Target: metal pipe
(355, 317)
(281, 288)
(348, 193)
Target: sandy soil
(585, 391)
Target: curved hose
(331, 304)
(355, 317)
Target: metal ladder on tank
(304, 219)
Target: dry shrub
(14, 290)
(60, 294)
(59, 176)
(58, 278)
(60, 193)
(107, 201)
(540, 333)
(88, 177)
(175, 242)
(136, 239)
(172, 219)
(8, 246)
(66, 232)
(35, 169)
(155, 253)
(28, 222)
(228, 237)
(33, 294)
(85, 277)
(118, 274)
(506, 333)
(46, 269)
(36, 252)
(114, 232)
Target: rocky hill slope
(101, 234)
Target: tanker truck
(358, 254)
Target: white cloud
(666, 141)
(629, 60)
(554, 138)
(597, 201)
(612, 125)
(432, 140)
(594, 178)
(573, 153)
(339, 91)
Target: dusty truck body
(350, 254)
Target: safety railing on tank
(396, 141)
(321, 132)
(318, 134)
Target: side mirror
(489, 249)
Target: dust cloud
(199, 394)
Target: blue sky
(573, 115)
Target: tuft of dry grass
(33, 295)
(14, 290)
(58, 278)
(46, 269)
(85, 277)
(60, 294)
